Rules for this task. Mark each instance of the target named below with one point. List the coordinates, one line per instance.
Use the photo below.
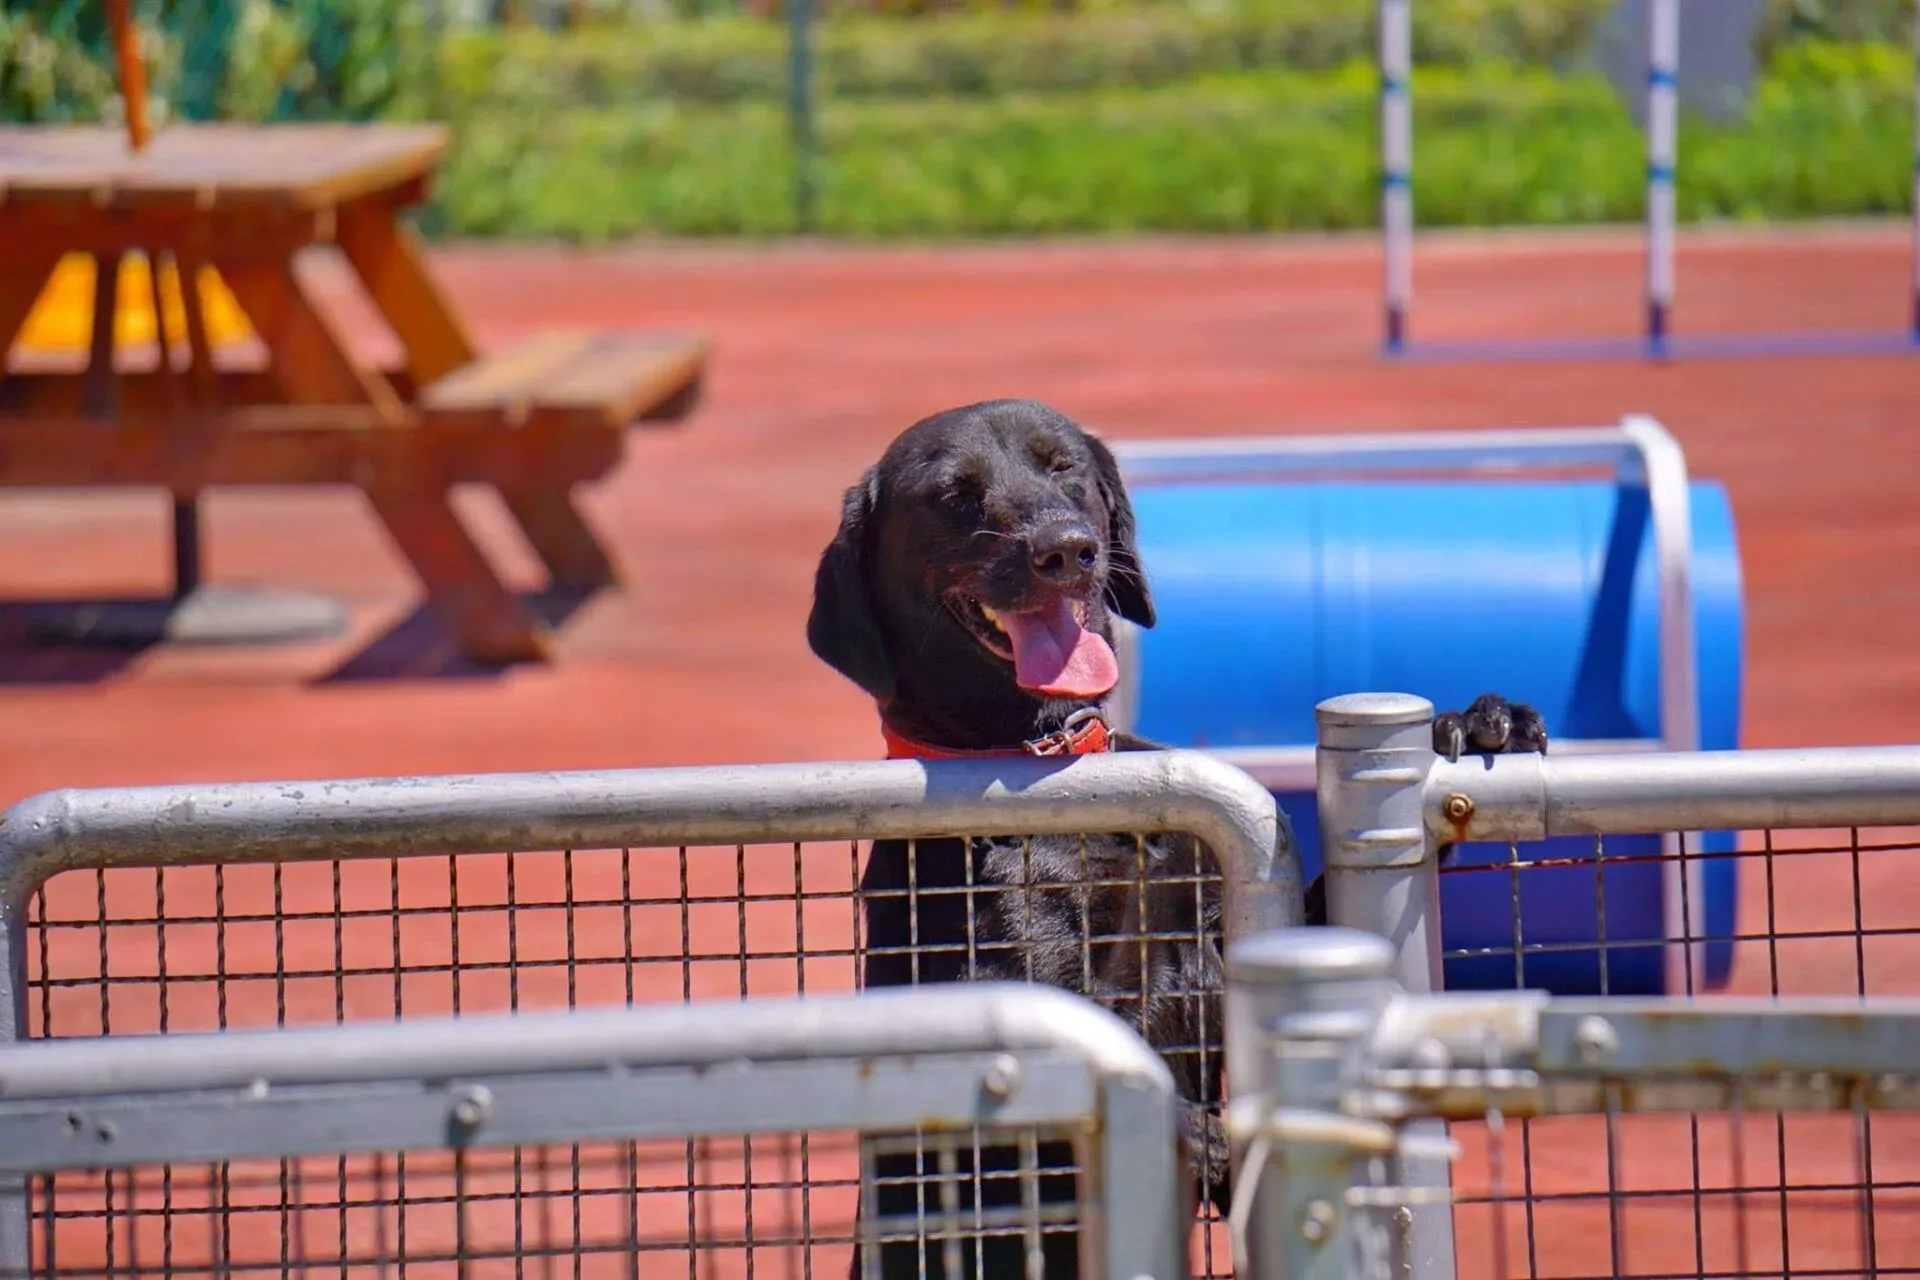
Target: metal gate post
(16, 1242)
(1299, 1002)
(1382, 876)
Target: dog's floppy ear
(843, 630)
(1127, 592)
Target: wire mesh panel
(190, 948)
(556, 1160)
(193, 932)
(753, 1206)
(174, 949)
(1771, 874)
(1683, 1104)
(1829, 912)
(1754, 1193)
(594, 1209)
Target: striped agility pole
(1396, 163)
(1663, 118)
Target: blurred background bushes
(590, 119)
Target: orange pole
(133, 73)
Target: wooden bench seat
(569, 380)
(272, 444)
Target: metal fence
(166, 910)
(1338, 1062)
(554, 1143)
(1823, 846)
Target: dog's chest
(1046, 909)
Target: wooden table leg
(100, 396)
(389, 261)
(386, 255)
(186, 503)
(575, 558)
(491, 623)
(309, 356)
(21, 282)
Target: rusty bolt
(1316, 1222)
(1457, 807)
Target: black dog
(970, 590)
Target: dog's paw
(1491, 725)
(1315, 901)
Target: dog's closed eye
(963, 488)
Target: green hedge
(292, 59)
(1830, 134)
(726, 60)
(1228, 116)
(1848, 21)
(208, 59)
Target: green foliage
(217, 59)
(1854, 21)
(1827, 134)
(49, 66)
(988, 52)
(354, 59)
(992, 119)
(1240, 152)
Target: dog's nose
(1064, 554)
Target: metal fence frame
(1168, 792)
(1388, 803)
(962, 1056)
(1339, 1057)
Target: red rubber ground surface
(824, 353)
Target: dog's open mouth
(1051, 650)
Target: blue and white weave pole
(1396, 163)
(1663, 127)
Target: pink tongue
(1054, 654)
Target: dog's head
(981, 559)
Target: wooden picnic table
(533, 422)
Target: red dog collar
(1084, 733)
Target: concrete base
(207, 615)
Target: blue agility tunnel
(1291, 570)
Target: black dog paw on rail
(1491, 725)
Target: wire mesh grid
(772, 1204)
(1819, 913)
(191, 948)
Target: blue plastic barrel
(1275, 595)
